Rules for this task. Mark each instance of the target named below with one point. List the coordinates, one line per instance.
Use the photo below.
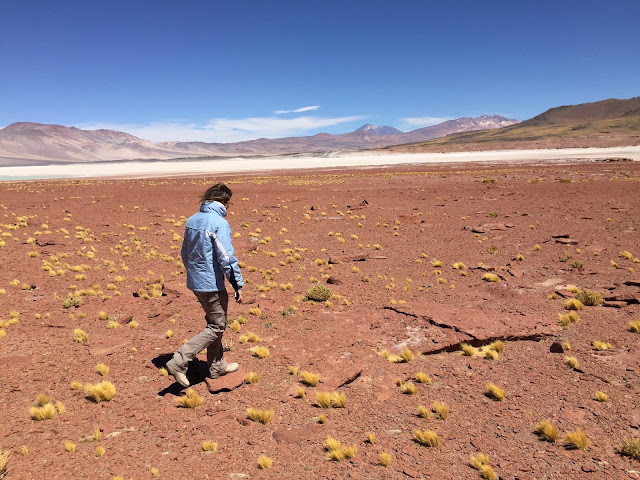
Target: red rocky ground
(582, 215)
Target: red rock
(614, 304)
(566, 241)
(109, 346)
(515, 271)
(296, 434)
(342, 376)
(556, 347)
(227, 382)
(410, 219)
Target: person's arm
(226, 258)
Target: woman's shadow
(195, 373)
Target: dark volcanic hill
(605, 123)
(27, 143)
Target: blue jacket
(207, 252)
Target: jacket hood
(214, 207)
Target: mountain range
(606, 123)
(26, 143)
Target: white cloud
(225, 130)
(298, 110)
(420, 122)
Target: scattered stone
(515, 272)
(566, 241)
(614, 304)
(226, 383)
(109, 346)
(333, 281)
(394, 432)
(556, 347)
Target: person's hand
(240, 296)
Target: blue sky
(237, 70)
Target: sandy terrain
(308, 161)
(384, 240)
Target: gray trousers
(215, 306)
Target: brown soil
(582, 215)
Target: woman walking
(208, 256)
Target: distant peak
(378, 130)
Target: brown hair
(217, 193)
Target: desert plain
(421, 261)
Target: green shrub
(319, 293)
(71, 302)
(589, 297)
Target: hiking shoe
(231, 367)
(180, 377)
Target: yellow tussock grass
(491, 354)
(101, 392)
(250, 337)
(490, 277)
(300, 393)
(209, 446)
(459, 266)
(100, 451)
(571, 362)
(155, 472)
(479, 461)
(577, 440)
(342, 453)
(440, 409)
(309, 378)
(601, 396)
(631, 448)
(25, 453)
(469, 350)
(112, 324)
(252, 377)
(497, 346)
(385, 459)
(428, 438)
(406, 354)
(190, 399)
(61, 408)
(260, 352)
(546, 431)
(422, 377)
(494, 392)
(371, 437)
(488, 473)
(169, 333)
(102, 369)
(235, 326)
(46, 412)
(573, 304)
(264, 462)
(80, 336)
(103, 315)
(261, 416)
(330, 400)
(409, 388)
(598, 345)
(70, 446)
(42, 400)
(322, 419)
(424, 412)
(97, 433)
(293, 370)
(634, 326)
